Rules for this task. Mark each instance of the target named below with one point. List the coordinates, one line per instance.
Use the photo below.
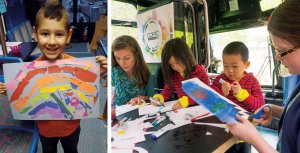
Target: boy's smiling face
(234, 66)
(52, 37)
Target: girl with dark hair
(178, 64)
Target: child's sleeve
(255, 99)
(217, 86)
(167, 92)
(203, 76)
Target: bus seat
(7, 123)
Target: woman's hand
(266, 117)
(246, 131)
(243, 129)
(139, 100)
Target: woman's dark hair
(181, 52)
(140, 68)
(285, 22)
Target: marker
(162, 131)
(166, 110)
(153, 114)
(158, 103)
(222, 81)
(258, 114)
(157, 121)
(198, 117)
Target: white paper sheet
(127, 108)
(150, 109)
(179, 118)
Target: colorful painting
(221, 107)
(62, 90)
(155, 26)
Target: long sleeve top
(126, 89)
(199, 72)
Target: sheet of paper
(128, 149)
(129, 133)
(183, 116)
(124, 109)
(208, 133)
(221, 107)
(150, 109)
(35, 94)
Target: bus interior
(207, 26)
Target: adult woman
(130, 75)
(284, 29)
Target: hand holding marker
(222, 81)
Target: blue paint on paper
(223, 110)
(73, 85)
(67, 100)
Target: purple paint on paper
(82, 105)
(48, 107)
(78, 107)
(54, 113)
(85, 114)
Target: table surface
(189, 138)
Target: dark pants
(240, 148)
(69, 143)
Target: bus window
(123, 20)
(260, 55)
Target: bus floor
(270, 135)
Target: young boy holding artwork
(238, 85)
(52, 32)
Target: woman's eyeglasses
(282, 54)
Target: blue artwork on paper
(221, 107)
